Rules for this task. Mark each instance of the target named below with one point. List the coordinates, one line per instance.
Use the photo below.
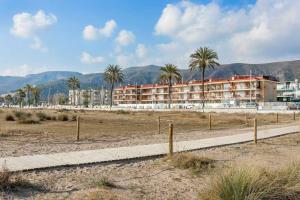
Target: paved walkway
(123, 153)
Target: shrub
(22, 115)
(63, 110)
(104, 181)
(4, 179)
(122, 112)
(9, 182)
(190, 161)
(42, 116)
(29, 121)
(53, 118)
(255, 184)
(9, 117)
(63, 117)
(74, 118)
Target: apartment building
(89, 96)
(288, 91)
(236, 88)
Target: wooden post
(78, 127)
(255, 131)
(171, 139)
(294, 116)
(158, 124)
(277, 118)
(209, 121)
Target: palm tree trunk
(73, 97)
(203, 98)
(169, 92)
(111, 94)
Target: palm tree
(112, 75)
(28, 89)
(169, 73)
(36, 95)
(20, 97)
(8, 100)
(73, 84)
(200, 60)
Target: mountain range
(52, 82)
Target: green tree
(8, 99)
(36, 95)
(20, 97)
(73, 84)
(86, 98)
(28, 89)
(170, 73)
(202, 59)
(112, 75)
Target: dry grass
(95, 194)
(104, 181)
(255, 184)
(120, 124)
(191, 161)
(62, 117)
(4, 179)
(9, 182)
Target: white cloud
(86, 58)
(265, 31)
(22, 70)
(125, 38)
(26, 25)
(93, 33)
(141, 51)
(38, 45)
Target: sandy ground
(153, 178)
(113, 129)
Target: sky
(87, 35)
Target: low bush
(74, 118)
(4, 179)
(9, 117)
(8, 182)
(42, 116)
(255, 184)
(63, 110)
(63, 117)
(122, 112)
(190, 161)
(29, 121)
(104, 181)
(22, 115)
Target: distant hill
(10, 83)
(55, 82)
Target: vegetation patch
(29, 121)
(22, 115)
(104, 181)
(43, 116)
(196, 163)
(63, 110)
(122, 112)
(95, 194)
(9, 117)
(255, 184)
(63, 117)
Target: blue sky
(86, 35)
